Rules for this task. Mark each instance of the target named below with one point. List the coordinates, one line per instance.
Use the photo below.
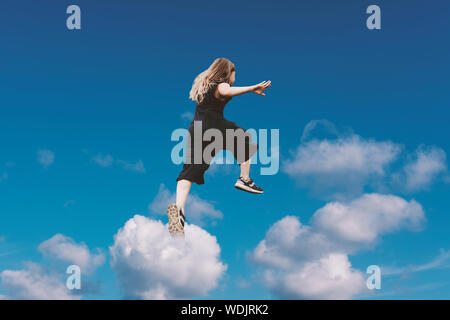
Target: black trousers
(195, 171)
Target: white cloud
(150, 264)
(288, 243)
(197, 210)
(331, 277)
(104, 161)
(45, 157)
(422, 169)
(364, 219)
(65, 249)
(339, 166)
(33, 283)
(352, 154)
(136, 167)
(311, 261)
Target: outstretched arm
(228, 91)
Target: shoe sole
(176, 229)
(247, 189)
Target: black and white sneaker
(247, 185)
(176, 220)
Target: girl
(212, 90)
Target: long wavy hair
(219, 71)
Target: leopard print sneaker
(176, 220)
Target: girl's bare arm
(228, 91)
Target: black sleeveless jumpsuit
(210, 113)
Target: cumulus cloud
(45, 157)
(364, 219)
(422, 169)
(34, 283)
(331, 277)
(288, 242)
(150, 264)
(340, 165)
(197, 210)
(311, 261)
(65, 249)
(352, 155)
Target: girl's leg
(183, 188)
(245, 169)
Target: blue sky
(115, 90)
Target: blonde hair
(219, 71)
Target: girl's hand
(260, 87)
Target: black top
(211, 107)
